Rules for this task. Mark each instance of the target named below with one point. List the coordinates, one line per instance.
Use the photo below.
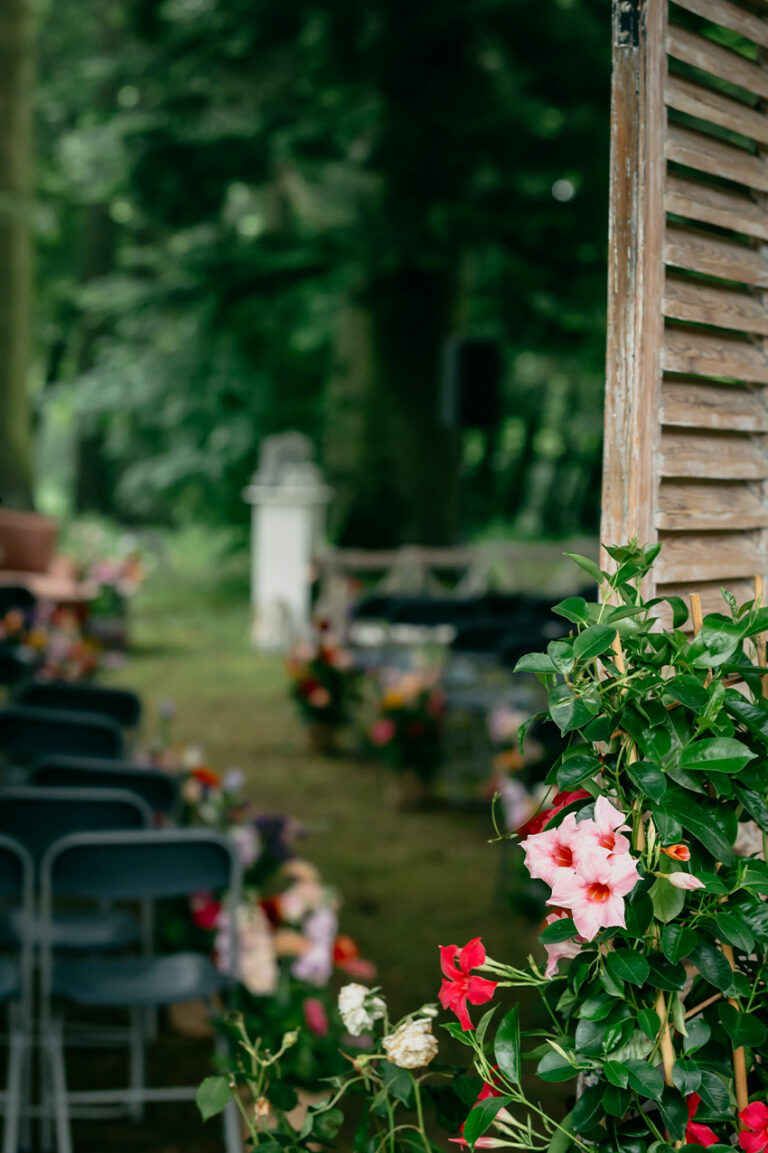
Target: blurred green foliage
(256, 215)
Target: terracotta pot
(27, 541)
(323, 738)
(409, 791)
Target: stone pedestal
(288, 500)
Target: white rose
(412, 1045)
(359, 1008)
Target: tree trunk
(15, 252)
(406, 476)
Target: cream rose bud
(412, 1045)
(359, 1008)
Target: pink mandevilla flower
(595, 893)
(561, 950)
(685, 881)
(547, 853)
(604, 832)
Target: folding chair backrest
(16, 597)
(27, 734)
(144, 865)
(15, 869)
(160, 790)
(119, 705)
(37, 817)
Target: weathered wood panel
(701, 303)
(698, 100)
(724, 408)
(714, 256)
(725, 208)
(700, 453)
(746, 24)
(723, 63)
(698, 352)
(697, 150)
(703, 371)
(712, 600)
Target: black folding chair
(27, 735)
(158, 789)
(119, 705)
(153, 866)
(16, 895)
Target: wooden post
(635, 272)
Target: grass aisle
(409, 882)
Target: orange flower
(677, 852)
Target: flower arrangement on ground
(656, 943)
(324, 684)
(51, 642)
(406, 731)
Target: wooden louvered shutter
(686, 417)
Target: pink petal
(685, 881)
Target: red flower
(559, 802)
(754, 1138)
(458, 987)
(207, 777)
(205, 911)
(696, 1134)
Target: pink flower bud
(684, 881)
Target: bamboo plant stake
(739, 1060)
(666, 1046)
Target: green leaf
(213, 1096)
(553, 1067)
(669, 827)
(644, 1079)
(507, 1047)
(720, 638)
(588, 1110)
(665, 975)
(482, 1025)
(679, 610)
(716, 755)
(534, 663)
(456, 1031)
(699, 1033)
(561, 655)
(575, 767)
(616, 1073)
(588, 566)
(701, 822)
(573, 609)
(754, 804)
(562, 1138)
(482, 1117)
(688, 691)
(561, 930)
(743, 1028)
(397, 1081)
(627, 965)
(732, 930)
(566, 710)
(713, 1092)
(674, 1112)
(686, 1076)
(650, 1022)
(327, 1124)
(713, 966)
(677, 942)
(648, 778)
(593, 641)
(616, 1101)
(667, 900)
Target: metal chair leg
(16, 1054)
(138, 1071)
(55, 1054)
(233, 1136)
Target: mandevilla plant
(652, 843)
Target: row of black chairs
(88, 854)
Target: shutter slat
(705, 153)
(700, 303)
(713, 256)
(721, 62)
(748, 25)
(691, 404)
(722, 456)
(725, 208)
(704, 354)
(706, 104)
(688, 556)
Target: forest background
(224, 218)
